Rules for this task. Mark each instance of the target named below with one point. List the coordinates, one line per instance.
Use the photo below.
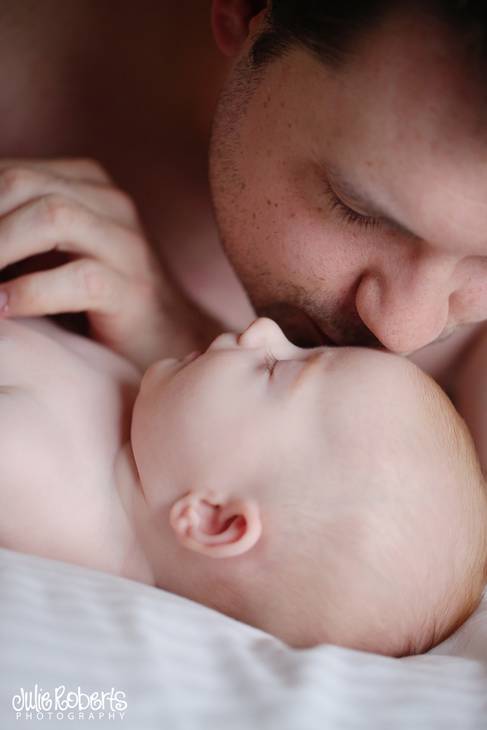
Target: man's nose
(409, 308)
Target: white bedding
(182, 666)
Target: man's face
(400, 125)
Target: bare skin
(135, 89)
(231, 476)
(70, 87)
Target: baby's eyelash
(348, 214)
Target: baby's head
(337, 499)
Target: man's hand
(72, 206)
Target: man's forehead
(405, 39)
(417, 78)
(411, 129)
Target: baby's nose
(264, 332)
(224, 341)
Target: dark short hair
(327, 27)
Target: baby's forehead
(379, 376)
(383, 403)
(389, 370)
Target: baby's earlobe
(219, 528)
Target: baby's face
(255, 406)
(362, 483)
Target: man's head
(336, 119)
(337, 499)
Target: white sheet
(183, 666)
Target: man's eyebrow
(357, 197)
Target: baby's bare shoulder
(34, 453)
(60, 416)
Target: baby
(323, 495)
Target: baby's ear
(219, 528)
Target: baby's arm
(111, 273)
(469, 392)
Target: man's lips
(357, 336)
(324, 338)
(297, 325)
(311, 335)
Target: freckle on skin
(293, 215)
(276, 205)
(268, 202)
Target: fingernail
(3, 300)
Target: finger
(18, 185)
(71, 168)
(56, 223)
(80, 286)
